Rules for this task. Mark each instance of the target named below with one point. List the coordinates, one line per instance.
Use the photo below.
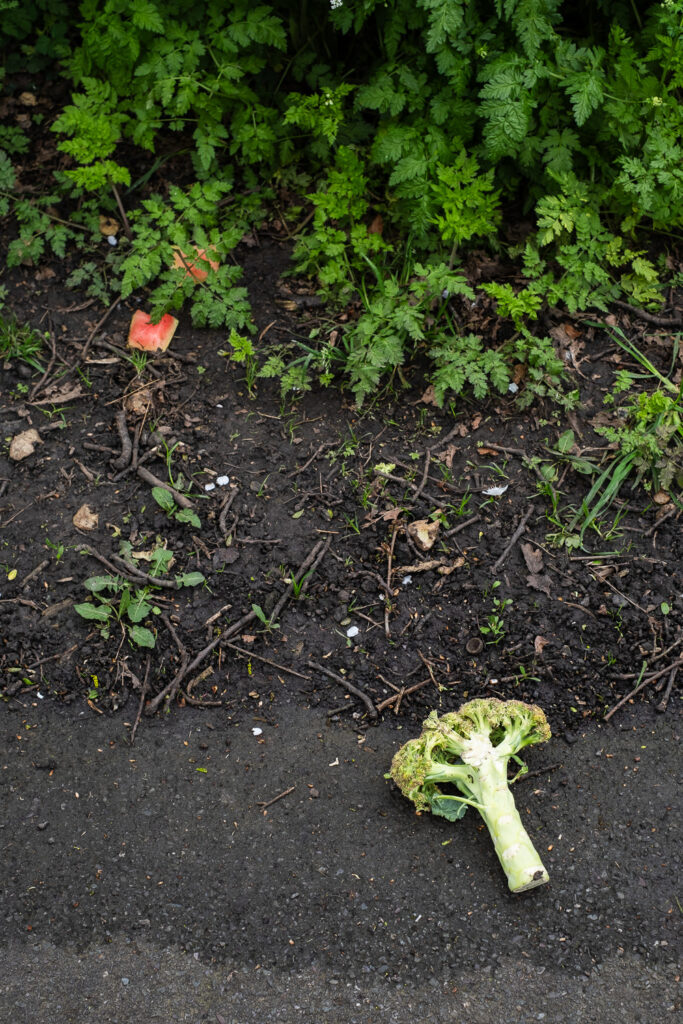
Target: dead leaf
(377, 225)
(448, 454)
(58, 397)
(429, 396)
(476, 420)
(539, 643)
(487, 451)
(44, 274)
(433, 563)
(27, 99)
(542, 583)
(138, 403)
(424, 533)
(24, 444)
(533, 558)
(446, 570)
(86, 519)
(661, 498)
(109, 226)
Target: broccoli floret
(469, 750)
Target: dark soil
(305, 494)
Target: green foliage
(115, 599)
(423, 121)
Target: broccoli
(469, 750)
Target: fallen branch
(372, 711)
(513, 540)
(150, 478)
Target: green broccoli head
(461, 760)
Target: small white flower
(334, 4)
(495, 492)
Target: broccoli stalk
(468, 751)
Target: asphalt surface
(150, 884)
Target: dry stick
(662, 519)
(136, 575)
(649, 318)
(387, 630)
(126, 444)
(34, 572)
(124, 218)
(224, 511)
(513, 540)
(132, 574)
(150, 478)
(462, 526)
(651, 678)
(372, 711)
(199, 702)
(413, 487)
(400, 694)
(661, 707)
(267, 661)
(266, 803)
(171, 689)
(35, 390)
(91, 337)
(143, 694)
(423, 482)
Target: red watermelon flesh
(149, 337)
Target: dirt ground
(309, 550)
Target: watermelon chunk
(149, 337)
(196, 264)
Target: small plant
(495, 624)
(117, 599)
(263, 618)
(166, 501)
(21, 342)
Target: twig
(126, 444)
(36, 389)
(387, 606)
(267, 661)
(266, 803)
(225, 508)
(642, 683)
(423, 482)
(170, 690)
(540, 771)
(462, 526)
(662, 706)
(199, 702)
(662, 519)
(347, 686)
(143, 694)
(404, 691)
(124, 218)
(649, 318)
(513, 540)
(150, 478)
(34, 572)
